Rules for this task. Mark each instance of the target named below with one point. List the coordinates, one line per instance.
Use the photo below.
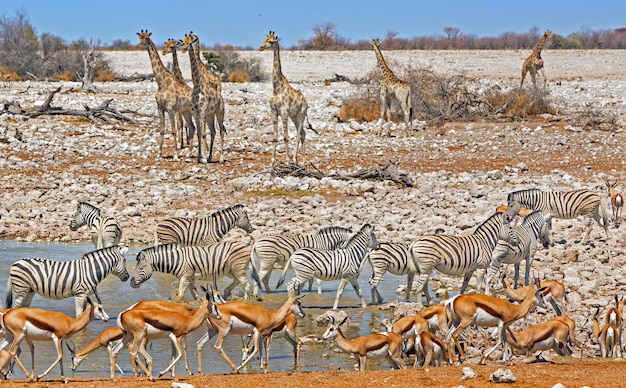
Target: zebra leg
(466, 280)
(422, 283)
(357, 289)
(79, 302)
(342, 285)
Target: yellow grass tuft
(361, 109)
(239, 76)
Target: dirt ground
(569, 372)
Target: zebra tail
(281, 280)
(255, 276)
(8, 303)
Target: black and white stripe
(210, 262)
(534, 227)
(458, 255)
(55, 279)
(340, 264)
(105, 231)
(276, 250)
(202, 230)
(562, 204)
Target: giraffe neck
(278, 80)
(539, 47)
(159, 70)
(175, 67)
(195, 71)
(382, 64)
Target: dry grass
(67, 76)
(361, 109)
(105, 75)
(519, 103)
(238, 76)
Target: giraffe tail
(410, 114)
(309, 126)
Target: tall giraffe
(392, 87)
(171, 96)
(286, 102)
(534, 62)
(207, 104)
(212, 79)
(170, 47)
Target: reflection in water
(117, 296)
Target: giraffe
(286, 102)
(392, 87)
(170, 47)
(534, 62)
(171, 96)
(207, 75)
(207, 104)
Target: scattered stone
(468, 373)
(502, 376)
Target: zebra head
(538, 223)
(143, 270)
(119, 263)
(84, 212)
(243, 221)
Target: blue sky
(246, 22)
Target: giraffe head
(269, 42)
(547, 34)
(144, 37)
(375, 43)
(190, 39)
(170, 46)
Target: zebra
(225, 258)
(105, 231)
(276, 250)
(203, 230)
(532, 228)
(55, 279)
(458, 255)
(562, 204)
(392, 257)
(343, 264)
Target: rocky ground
(460, 172)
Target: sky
(245, 23)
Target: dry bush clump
(239, 76)
(518, 103)
(105, 75)
(67, 76)
(447, 98)
(361, 109)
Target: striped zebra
(202, 230)
(458, 255)
(344, 264)
(392, 257)
(562, 204)
(209, 262)
(105, 231)
(55, 279)
(276, 250)
(532, 228)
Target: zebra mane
(87, 206)
(112, 248)
(157, 249)
(233, 208)
(334, 229)
(495, 218)
(357, 235)
(534, 217)
(516, 194)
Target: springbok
(150, 324)
(375, 345)
(33, 324)
(552, 334)
(288, 329)
(554, 293)
(488, 311)
(614, 316)
(606, 336)
(617, 202)
(108, 337)
(242, 319)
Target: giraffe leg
(545, 80)
(209, 147)
(161, 131)
(286, 138)
(275, 125)
(220, 123)
(172, 115)
(533, 77)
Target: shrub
(361, 109)
(238, 76)
(225, 60)
(105, 75)
(65, 76)
(519, 103)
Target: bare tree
(91, 63)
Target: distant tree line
(25, 54)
